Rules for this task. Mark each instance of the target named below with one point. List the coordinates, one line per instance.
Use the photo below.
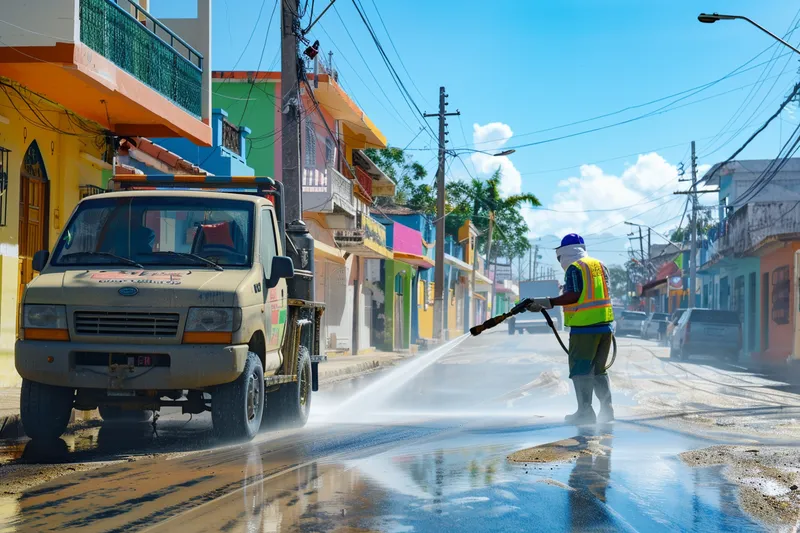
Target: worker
(588, 313)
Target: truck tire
(510, 328)
(45, 409)
(292, 401)
(111, 414)
(238, 407)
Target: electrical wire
(260, 59)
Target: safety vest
(594, 305)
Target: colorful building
(76, 75)
(339, 187)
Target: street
(424, 447)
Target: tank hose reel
(521, 307)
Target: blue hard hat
(572, 238)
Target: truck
(173, 291)
(533, 322)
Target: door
(275, 298)
(399, 306)
(751, 312)
(33, 213)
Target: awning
(326, 251)
(653, 285)
(457, 263)
(482, 283)
(413, 259)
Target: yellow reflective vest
(594, 305)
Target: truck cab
(164, 297)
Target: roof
(172, 193)
(398, 210)
(161, 154)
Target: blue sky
(526, 66)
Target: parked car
(707, 331)
(654, 325)
(673, 320)
(630, 323)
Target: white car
(630, 323)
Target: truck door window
(268, 246)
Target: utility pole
(535, 257)
(693, 251)
(649, 250)
(290, 110)
(490, 299)
(439, 289)
(530, 263)
(641, 244)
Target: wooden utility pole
(693, 250)
(439, 288)
(535, 257)
(290, 110)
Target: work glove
(538, 304)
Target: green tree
(704, 223)
(618, 281)
(413, 189)
(475, 199)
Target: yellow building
(74, 77)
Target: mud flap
(315, 361)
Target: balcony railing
(231, 137)
(327, 192)
(131, 38)
(750, 225)
(368, 239)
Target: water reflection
(589, 479)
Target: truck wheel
(292, 401)
(511, 329)
(112, 414)
(45, 409)
(237, 407)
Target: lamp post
(706, 18)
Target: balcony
(758, 225)
(328, 192)
(367, 240)
(231, 137)
(113, 63)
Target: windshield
(714, 317)
(160, 231)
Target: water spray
(521, 307)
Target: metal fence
(231, 137)
(136, 42)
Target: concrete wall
(260, 117)
(196, 31)
(54, 22)
(779, 264)
(66, 171)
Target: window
(780, 295)
(160, 231)
(398, 284)
(330, 152)
(311, 145)
(268, 247)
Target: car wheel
(238, 407)
(112, 414)
(45, 409)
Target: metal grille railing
(90, 190)
(144, 48)
(231, 138)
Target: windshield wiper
(200, 258)
(119, 258)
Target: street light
(706, 18)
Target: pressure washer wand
(521, 307)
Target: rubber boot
(584, 388)
(602, 388)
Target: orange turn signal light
(45, 334)
(207, 337)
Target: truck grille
(124, 324)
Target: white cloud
(595, 201)
(495, 135)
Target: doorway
(33, 213)
(399, 312)
(765, 311)
(751, 312)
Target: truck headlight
(211, 325)
(45, 322)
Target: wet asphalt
(420, 448)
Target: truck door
(275, 299)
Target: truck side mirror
(282, 267)
(40, 260)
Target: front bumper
(192, 366)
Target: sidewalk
(336, 368)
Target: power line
(260, 59)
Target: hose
(566, 350)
